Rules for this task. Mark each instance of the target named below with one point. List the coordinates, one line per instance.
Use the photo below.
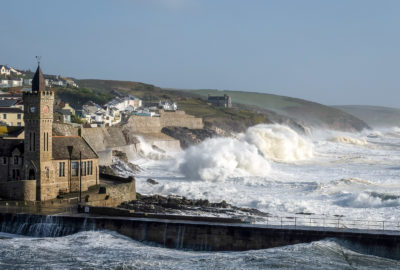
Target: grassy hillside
(308, 112)
(375, 116)
(251, 108)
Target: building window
(19, 124)
(4, 116)
(90, 167)
(4, 160)
(19, 116)
(15, 160)
(61, 169)
(74, 166)
(83, 172)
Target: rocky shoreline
(178, 205)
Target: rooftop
(10, 110)
(8, 102)
(7, 146)
(61, 143)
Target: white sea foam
(146, 150)
(349, 140)
(217, 159)
(336, 179)
(369, 200)
(247, 155)
(110, 250)
(279, 143)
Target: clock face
(33, 109)
(46, 109)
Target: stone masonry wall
(23, 190)
(115, 195)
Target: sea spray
(247, 155)
(279, 143)
(219, 158)
(146, 150)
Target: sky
(332, 52)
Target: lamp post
(70, 148)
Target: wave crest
(279, 143)
(248, 155)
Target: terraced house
(42, 166)
(11, 116)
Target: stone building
(220, 101)
(42, 166)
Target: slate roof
(11, 96)
(8, 102)
(11, 110)
(7, 146)
(61, 143)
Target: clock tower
(38, 117)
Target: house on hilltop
(220, 101)
(5, 70)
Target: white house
(27, 81)
(167, 105)
(13, 70)
(4, 70)
(4, 83)
(15, 82)
(125, 103)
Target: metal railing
(338, 223)
(288, 221)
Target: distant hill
(251, 108)
(375, 116)
(307, 112)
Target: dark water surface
(109, 250)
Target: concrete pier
(204, 236)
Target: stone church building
(42, 166)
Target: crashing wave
(247, 155)
(279, 143)
(369, 200)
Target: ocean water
(109, 250)
(269, 167)
(274, 169)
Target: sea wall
(180, 119)
(144, 124)
(23, 190)
(203, 236)
(113, 195)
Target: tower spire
(38, 81)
